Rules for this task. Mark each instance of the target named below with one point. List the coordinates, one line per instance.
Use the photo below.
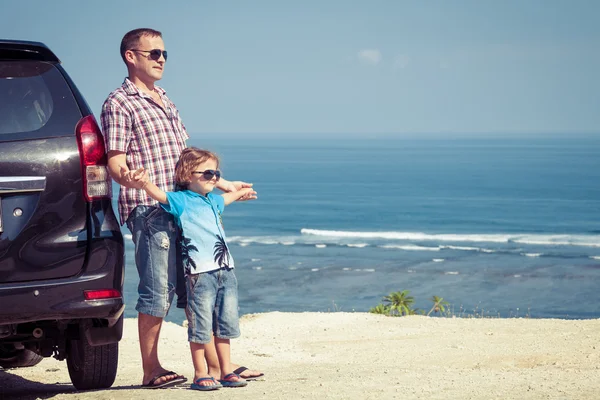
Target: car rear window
(35, 101)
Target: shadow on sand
(16, 387)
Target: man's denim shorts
(154, 233)
(212, 306)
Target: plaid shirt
(150, 136)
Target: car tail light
(101, 294)
(96, 181)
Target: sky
(342, 67)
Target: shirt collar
(131, 89)
(191, 193)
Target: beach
(341, 355)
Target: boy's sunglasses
(154, 53)
(209, 174)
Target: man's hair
(132, 39)
(188, 161)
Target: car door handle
(19, 184)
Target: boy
(212, 306)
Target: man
(142, 129)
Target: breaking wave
(534, 239)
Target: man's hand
(232, 186)
(247, 194)
(239, 185)
(133, 179)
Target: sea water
(496, 226)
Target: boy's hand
(135, 179)
(243, 194)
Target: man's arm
(239, 195)
(232, 186)
(118, 170)
(115, 160)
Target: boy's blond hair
(188, 162)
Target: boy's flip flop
(248, 378)
(227, 383)
(197, 386)
(175, 381)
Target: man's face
(143, 65)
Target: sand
(363, 356)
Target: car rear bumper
(56, 300)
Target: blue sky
(343, 67)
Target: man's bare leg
(149, 333)
(247, 373)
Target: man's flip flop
(175, 381)
(227, 383)
(197, 386)
(248, 378)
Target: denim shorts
(212, 306)
(154, 233)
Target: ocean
(499, 227)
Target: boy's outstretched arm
(150, 188)
(154, 192)
(239, 195)
(123, 175)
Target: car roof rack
(25, 50)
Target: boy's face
(199, 183)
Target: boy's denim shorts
(212, 306)
(154, 233)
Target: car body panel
(54, 245)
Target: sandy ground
(363, 356)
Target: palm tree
(221, 253)
(439, 305)
(380, 309)
(399, 302)
(186, 247)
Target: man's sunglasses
(154, 53)
(209, 174)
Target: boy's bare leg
(200, 370)
(149, 332)
(224, 354)
(212, 360)
(214, 369)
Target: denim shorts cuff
(199, 340)
(228, 336)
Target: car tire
(92, 367)
(19, 358)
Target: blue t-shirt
(203, 245)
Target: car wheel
(17, 358)
(92, 367)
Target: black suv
(61, 249)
